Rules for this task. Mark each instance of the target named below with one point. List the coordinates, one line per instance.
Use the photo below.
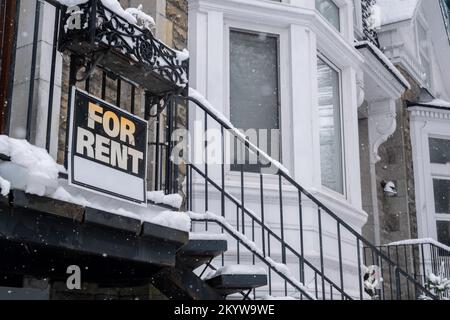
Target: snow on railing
(420, 241)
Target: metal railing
(274, 241)
(420, 258)
(368, 30)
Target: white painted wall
(302, 33)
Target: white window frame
(340, 5)
(439, 172)
(335, 193)
(357, 13)
(283, 81)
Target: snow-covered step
(232, 279)
(201, 249)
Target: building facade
(320, 95)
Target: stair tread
(200, 251)
(228, 284)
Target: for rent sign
(108, 149)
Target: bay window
(330, 11)
(440, 158)
(254, 90)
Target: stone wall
(398, 218)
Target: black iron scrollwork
(138, 44)
(369, 33)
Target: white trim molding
(426, 123)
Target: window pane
(254, 92)
(330, 127)
(443, 231)
(442, 196)
(439, 151)
(330, 11)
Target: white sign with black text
(107, 149)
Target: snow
(278, 267)
(439, 285)
(237, 270)
(143, 19)
(182, 55)
(207, 236)
(437, 103)
(392, 11)
(63, 195)
(34, 171)
(174, 220)
(386, 61)
(420, 241)
(112, 5)
(279, 298)
(158, 197)
(5, 187)
(71, 3)
(200, 98)
(39, 169)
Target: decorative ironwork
(367, 20)
(109, 31)
(446, 16)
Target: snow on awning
(429, 101)
(393, 11)
(384, 60)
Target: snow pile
(392, 11)
(237, 270)
(194, 94)
(439, 285)
(144, 20)
(39, 172)
(113, 5)
(278, 267)
(174, 220)
(437, 103)
(71, 3)
(182, 55)
(279, 298)
(158, 197)
(62, 194)
(34, 171)
(5, 187)
(391, 67)
(207, 236)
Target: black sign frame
(142, 139)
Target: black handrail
(378, 257)
(270, 232)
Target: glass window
(424, 52)
(443, 232)
(254, 88)
(331, 154)
(439, 151)
(330, 11)
(442, 196)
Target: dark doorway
(7, 32)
